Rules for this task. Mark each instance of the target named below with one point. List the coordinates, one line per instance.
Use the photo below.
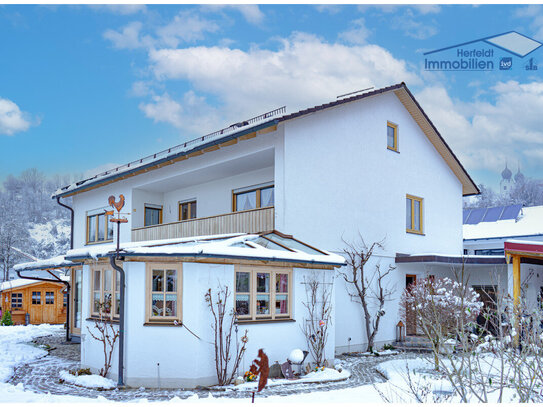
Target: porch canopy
(448, 259)
(271, 246)
(522, 251)
(49, 266)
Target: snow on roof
(179, 150)
(529, 223)
(21, 282)
(530, 242)
(53, 262)
(271, 246)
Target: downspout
(71, 221)
(120, 381)
(68, 287)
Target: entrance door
(49, 310)
(410, 319)
(36, 312)
(487, 295)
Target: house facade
(371, 166)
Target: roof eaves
(85, 185)
(209, 255)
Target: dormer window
(392, 136)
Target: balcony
(251, 221)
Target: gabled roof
(263, 124)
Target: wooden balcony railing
(251, 221)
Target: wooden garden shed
(45, 302)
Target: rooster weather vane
(118, 220)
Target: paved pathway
(42, 376)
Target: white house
(371, 165)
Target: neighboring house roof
(528, 222)
(261, 125)
(448, 259)
(268, 246)
(22, 282)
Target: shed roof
(262, 124)
(22, 282)
(267, 246)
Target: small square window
(153, 216)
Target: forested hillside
(31, 223)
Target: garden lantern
(400, 332)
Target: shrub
(6, 319)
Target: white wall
(215, 197)
(186, 361)
(335, 178)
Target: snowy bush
(442, 308)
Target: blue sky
(85, 88)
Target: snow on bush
(92, 381)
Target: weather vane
(118, 220)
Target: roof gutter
(213, 256)
(71, 221)
(221, 140)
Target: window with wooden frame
(152, 215)
(392, 136)
(99, 228)
(164, 293)
(413, 214)
(187, 210)
(49, 297)
(105, 295)
(36, 297)
(263, 293)
(252, 198)
(16, 300)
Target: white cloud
(251, 12)
(128, 37)
(304, 71)
(357, 34)
(427, 8)
(123, 9)
(12, 119)
(486, 134)
(328, 8)
(185, 27)
(192, 113)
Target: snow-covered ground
(15, 350)
(92, 381)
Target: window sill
(114, 321)
(163, 323)
(264, 321)
(414, 232)
(393, 150)
(100, 242)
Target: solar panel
(493, 214)
(511, 212)
(466, 215)
(476, 216)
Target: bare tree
(223, 336)
(367, 287)
(319, 317)
(107, 334)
